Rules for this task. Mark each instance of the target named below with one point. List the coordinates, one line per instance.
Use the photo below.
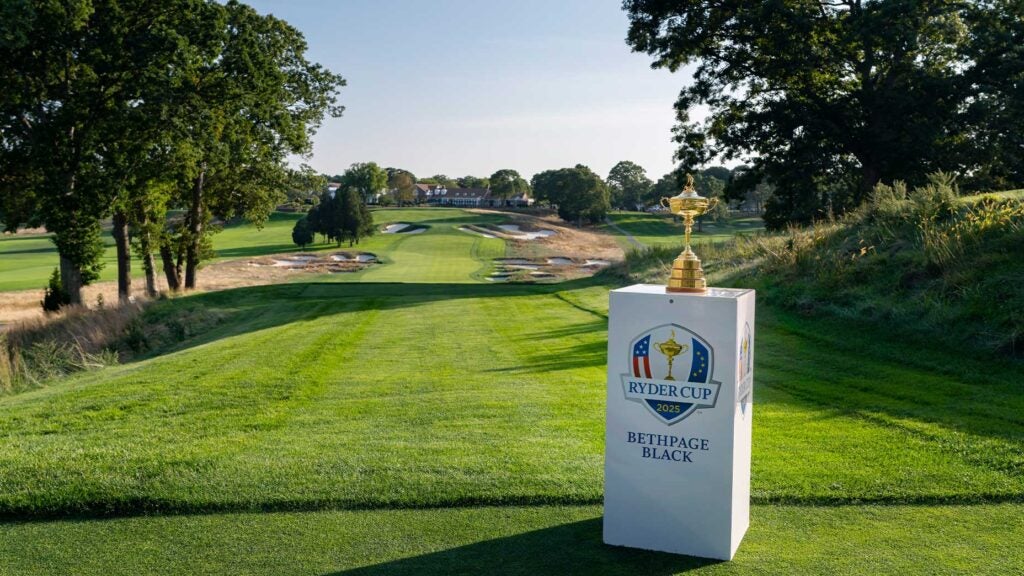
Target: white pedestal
(677, 451)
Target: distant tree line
(162, 116)
(824, 100)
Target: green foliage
(830, 98)
(507, 183)
(628, 184)
(666, 187)
(54, 298)
(104, 101)
(341, 216)
(302, 233)
(579, 193)
(473, 182)
(367, 178)
(403, 183)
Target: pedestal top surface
(659, 290)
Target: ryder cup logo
(671, 373)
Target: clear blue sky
(468, 87)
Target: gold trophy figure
(670, 348)
(687, 274)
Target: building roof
(438, 191)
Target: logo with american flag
(671, 373)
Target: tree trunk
(124, 256)
(146, 247)
(70, 272)
(195, 231)
(172, 273)
(71, 280)
(148, 262)
(869, 176)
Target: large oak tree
(824, 98)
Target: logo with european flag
(671, 368)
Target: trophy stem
(669, 377)
(687, 273)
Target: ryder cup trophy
(679, 408)
(687, 274)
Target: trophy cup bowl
(687, 273)
(670, 348)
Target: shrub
(55, 297)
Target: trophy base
(687, 275)
(685, 290)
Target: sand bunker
(291, 261)
(403, 228)
(514, 231)
(477, 232)
(347, 257)
(597, 263)
(558, 261)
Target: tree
(304, 184)
(507, 183)
(666, 187)
(579, 193)
(246, 99)
(302, 233)
(326, 217)
(70, 71)
(473, 182)
(366, 178)
(403, 184)
(628, 184)
(998, 110)
(828, 97)
(440, 180)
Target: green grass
(436, 426)
(654, 229)
(447, 255)
(515, 541)
(440, 254)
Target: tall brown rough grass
(37, 350)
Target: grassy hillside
(440, 427)
(923, 262)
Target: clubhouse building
(438, 195)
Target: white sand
(559, 261)
(597, 263)
(358, 258)
(294, 261)
(395, 228)
(514, 230)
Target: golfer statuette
(687, 274)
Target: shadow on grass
(574, 548)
